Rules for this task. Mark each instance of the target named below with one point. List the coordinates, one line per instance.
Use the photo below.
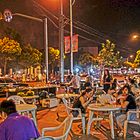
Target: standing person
(15, 126)
(75, 82)
(127, 102)
(69, 77)
(106, 80)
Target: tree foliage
(108, 57)
(9, 49)
(13, 34)
(54, 57)
(137, 58)
(30, 56)
(86, 59)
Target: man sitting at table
(127, 102)
(15, 126)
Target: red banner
(75, 43)
(67, 43)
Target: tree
(86, 59)
(9, 49)
(54, 57)
(137, 58)
(107, 56)
(13, 34)
(30, 56)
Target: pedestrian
(15, 126)
(75, 82)
(106, 80)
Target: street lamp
(135, 36)
(131, 56)
(8, 17)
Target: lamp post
(8, 17)
(46, 48)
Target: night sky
(116, 20)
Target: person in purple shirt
(15, 126)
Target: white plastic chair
(45, 138)
(70, 110)
(17, 99)
(66, 125)
(137, 121)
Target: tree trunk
(5, 65)
(52, 68)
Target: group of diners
(122, 95)
(17, 127)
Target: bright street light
(134, 36)
(130, 56)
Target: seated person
(127, 102)
(83, 101)
(134, 88)
(15, 126)
(88, 83)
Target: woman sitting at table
(127, 102)
(82, 101)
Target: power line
(85, 38)
(67, 19)
(92, 32)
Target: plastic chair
(66, 125)
(17, 99)
(70, 110)
(45, 138)
(137, 121)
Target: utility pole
(61, 41)
(46, 48)
(71, 35)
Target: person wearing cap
(15, 126)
